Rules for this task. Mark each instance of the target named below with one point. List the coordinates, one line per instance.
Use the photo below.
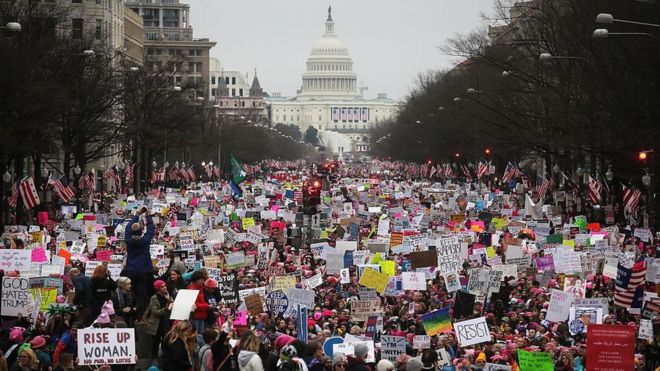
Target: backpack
(208, 366)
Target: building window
(98, 34)
(76, 1)
(240, 92)
(243, 103)
(170, 17)
(227, 80)
(195, 67)
(150, 17)
(319, 117)
(212, 79)
(153, 36)
(233, 80)
(283, 117)
(213, 92)
(77, 28)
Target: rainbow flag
(437, 322)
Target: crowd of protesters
(490, 219)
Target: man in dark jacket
(138, 260)
(357, 362)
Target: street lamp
(579, 172)
(457, 99)
(609, 175)
(177, 89)
(77, 170)
(154, 164)
(6, 177)
(607, 18)
(472, 91)
(88, 53)
(646, 180)
(44, 172)
(602, 33)
(546, 57)
(12, 27)
(506, 73)
(556, 169)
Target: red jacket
(202, 306)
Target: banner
(302, 297)
(361, 310)
(473, 331)
(106, 346)
(610, 347)
(228, 286)
(413, 281)
(535, 361)
(15, 260)
(392, 346)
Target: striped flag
(12, 200)
(128, 174)
(482, 169)
(112, 173)
(594, 190)
(571, 183)
(629, 285)
(29, 193)
(216, 171)
(63, 188)
(209, 171)
(630, 200)
(466, 171)
(543, 184)
(82, 182)
(184, 174)
(449, 171)
(432, 172)
(174, 172)
(511, 171)
(158, 175)
(191, 173)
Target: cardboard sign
(302, 297)
(610, 347)
(16, 297)
(361, 310)
(375, 280)
(421, 342)
(254, 304)
(449, 255)
(106, 346)
(421, 259)
(473, 331)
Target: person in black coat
(221, 349)
(178, 346)
(138, 259)
(101, 291)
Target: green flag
(238, 174)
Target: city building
(230, 91)
(331, 101)
(169, 42)
(133, 37)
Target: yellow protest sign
(388, 267)
(374, 280)
(570, 243)
(377, 258)
(490, 251)
(37, 237)
(499, 223)
(247, 223)
(102, 241)
(283, 283)
(48, 296)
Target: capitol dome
(329, 73)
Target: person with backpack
(205, 354)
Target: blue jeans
(199, 325)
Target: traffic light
(311, 195)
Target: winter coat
(154, 315)
(357, 364)
(102, 289)
(83, 285)
(138, 259)
(202, 307)
(249, 361)
(175, 356)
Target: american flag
(174, 172)
(185, 175)
(112, 173)
(12, 200)
(62, 188)
(525, 180)
(449, 171)
(298, 196)
(209, 170)
(482, 169)
(29, 193)
(432, 172)
(570, 183)
(191, 173)
(466, 171)
(630, 200)
(594, 190)
(82, 182)
(629, 285)
(216, 171)
(128, 173)
(542, 186)
(511, 171)
(158, 175)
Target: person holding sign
(138, 260)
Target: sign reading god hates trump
(107, 346)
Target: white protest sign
(106, 346)
(449, 254)
(421, 342)
(560, 304)
(345, 275)
(473, 331)
(349, 349)
(90, 266)
(183, 304)
(314, 281)
(645, 329)
(15, 260)
(496, 367)
(16, 298)
(413, 281)
(156, 251)
(302, 297)
(392, 346)
(235, 259)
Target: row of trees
(75, 100)
(600, 102)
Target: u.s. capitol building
(331, 100)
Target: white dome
(329, 45)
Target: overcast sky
(390, 41)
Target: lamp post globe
(6, 177)
(609, 175)
(646, 180)
(13, 26)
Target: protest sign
(183, 304)
(16, 298)
(254, 304)
(535, 361)
(349, 349)
(421, 259)
(375, 280)
(610, 347)
(473, 331)
(560, 303)
(302, 297)
(392, 346)
(106, 346)
(345, 276)
(283, 283)
(449, 254)
(421, 342)
(497, 367)
(334, 263)
(46, 296)
(413, 281)
(452, 281)
(277, 303)
(361, 310)
(15, 260)
(478, 281)
(436, 322)
(313, 282)
(235, 259)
